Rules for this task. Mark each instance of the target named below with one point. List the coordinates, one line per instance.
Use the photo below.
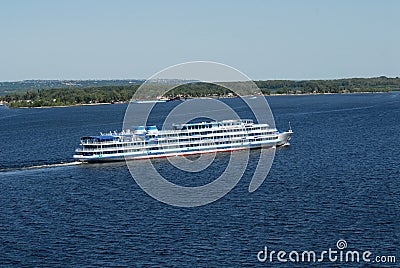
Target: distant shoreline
(116, 92)
(213, 97)
(66, 106)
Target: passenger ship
(183, 139)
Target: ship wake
(61, 164)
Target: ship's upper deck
(203, 125)
(202, 128)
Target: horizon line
(141, 79)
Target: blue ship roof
(151, 128)
(104, 138)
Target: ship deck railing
(211, 137)
(245, 127)
(179, 137)
(200, 143)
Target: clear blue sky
(134, 39)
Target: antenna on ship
(290, 127)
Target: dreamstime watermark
(138, 113)
(338, 254)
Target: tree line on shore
(113, 94)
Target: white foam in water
(62, 164)
(54, 165)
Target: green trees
(350, 85)
(70, 96)
(123, 93)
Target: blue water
(339, 179)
